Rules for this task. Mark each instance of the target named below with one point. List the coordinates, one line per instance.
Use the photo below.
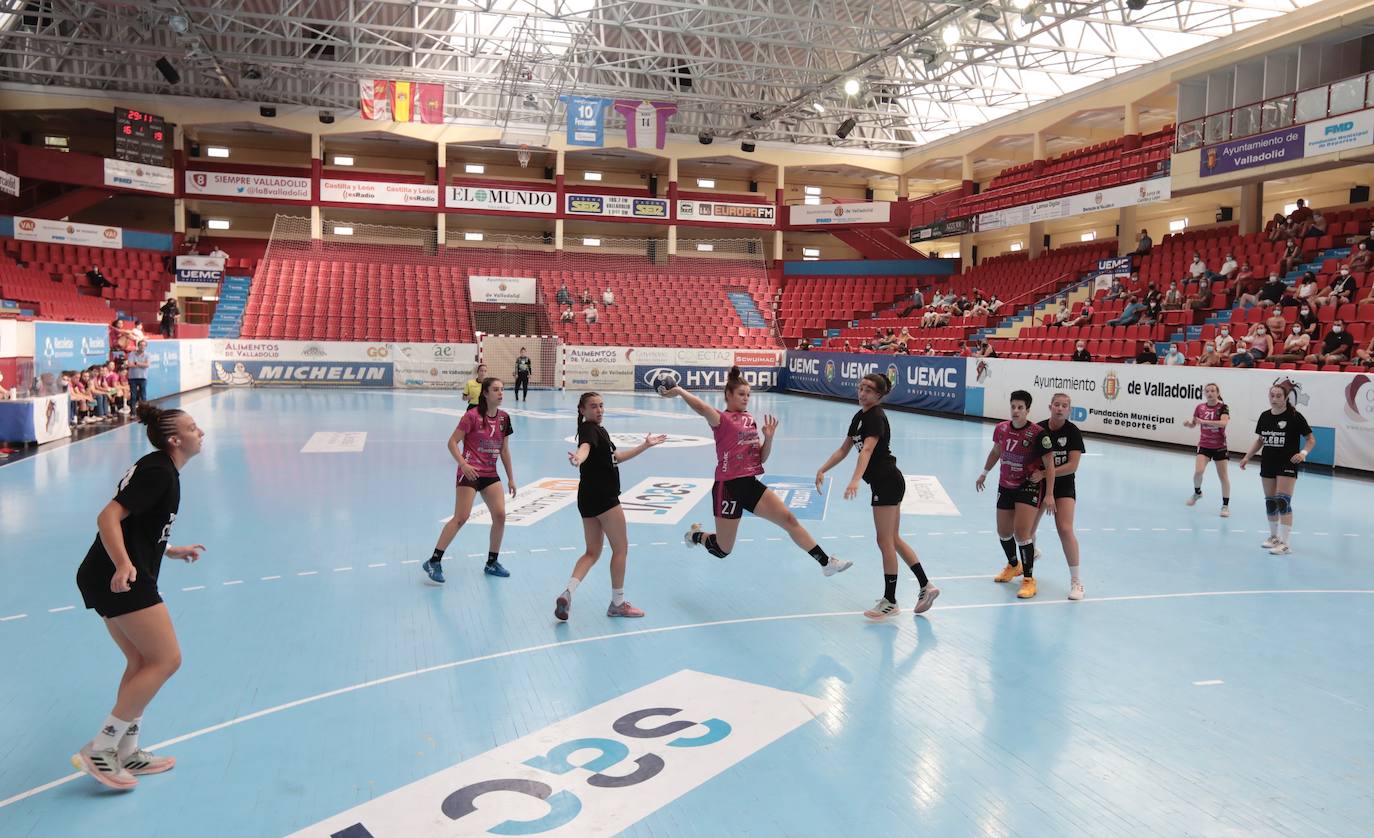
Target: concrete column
(558, 229)
(1132, 125)
(316, 172)
(777, 246)
(1036, 245)
(966, 174)
(1127, 223)
(966, 251)
(1038, 146)
(316, 223)
(441, 178)
(441, 229)
(672, 239)
(179, 169)
(903, 187)
(1251, 208)
(560, 163)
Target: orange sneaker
(1008, 573)
(1027, 589)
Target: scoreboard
(141, 137)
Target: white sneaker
(836, 565)
(1193, 499)
(1281, 549)
(104, 767)
(687, 536)
(1075, 591)
(1270, 543)
(1225, 512)
(882, 609)
(927, 599)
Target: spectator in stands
(137, 367)
(1362, 259)
(1197, 269)
(993, 304)
(1246, 281)
(1269, 294)
(1153, 313)
(608, 297)
(1117, 291)
(1316, 228)
(1147, 354)
(918, 300)
(97, 279)
(1276, 323)
(1365, 357)
(100, 394)
(903, 339)
(1307, 288)
(1341, 290)
(590, 312)
(1152, 295)
(586, 297)
(847, 346)
(1277, 228)
(1201, 298)
(1175, 356)
(1144, 244)
(1085, 315)
(1209, 357)
(1225, 341)
(1173, 298)
(980, 309)
(218, 253)
(804, 346)
(986, 350)
(1229, 268)
(1292, 256)
(1370, 297)
(901, 349)
(1061, 316)
(169, 312)
(1080, 352)
(1367, 241)
(563, 297)
(1298, 220)
(1258, 345)
(1295, 347)
(930, 348)
(1337, 347)
(1130, 315)
(567, 315)
(1307, 318)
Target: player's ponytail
(161, 424)
(734, 380)
(581, 403)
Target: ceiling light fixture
(951, 34)
(851, 87)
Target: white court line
(444, 667)
(567, 548)
(1133, 529)
(342, 569)
(232, 582)
(743, 540)
(269, 578)
(307, 573)
(1208, 683)
(773, 538)
(410, 561)
(1321, 533)
(1351, 534)
(13, 617)
(1109, 529)
(377, 564)
(658, 544)
(858, 536)
(194, 588)
(539, 549)
(60, 610)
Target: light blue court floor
(1205, 687)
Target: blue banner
(704, 378)
(164, 368)
(301, 373)
(921, 382)
(586, 119)
(68, 346)
(799, 494)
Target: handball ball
(664, 383)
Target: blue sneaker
(495, 569)
(435, 572)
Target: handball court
(1204, 687)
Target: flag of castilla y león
(401, 101)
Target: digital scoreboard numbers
(141, 137)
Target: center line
(378, 564)
(270, 578)
(63, 608)
(1208, 683)
(13, 617)
(567, 548)
(341, 569)
(539, 549)
(233, 582)
(307, 573)
(1133, 529)
(195, 588)
(773, 538)
(410, 561)
(658, 544)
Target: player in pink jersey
(741, 452)
(485, 431)
(1024, 448)
(1212, 415)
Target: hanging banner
(236, 185)
(727, 212)
(878, 212)
(508, 290)
(646, 123)
(200, 270)
(1150, 191)
(379, 192)
(141, 176)
(586, 119)
(501, 200)
(9, 184)
(616, 206)
(68, 232)
(1353, 130)
(940, 229)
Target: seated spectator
(1270, 293)
(1307, 288)
(1173, 298)
(993, 304)
(1152, 294)
(986, 350)
(1225, 343)
(1062, 316)
(1292, 256)
(97, 279)
(1298, 220)
(1336, 348)
(847, 346)
(1085, 315)
(1209, 357)
(1365, 357)
(930, 348)
(586, 297)
(1152, 313)
(217, 253)
(1258, 345)
(1367, 241)
(1080, 352)
(805, 346)
(980, 309)
(901, 349)
(608, 297)
(1341, 289)
(1147, 353)
(1276, 323)
(567, 315)
(1201, 298)
(1295, 347)
(1229, 268)
(1307, 318)
(903, 339)
(918, 300)
(1144, 244)
(79, 394)
(590, 312)
(1197, 269)
(1362, 259)
(1117, 291)
(1369, 298)
(1246, 281)
(1130, 315)
(564, 296)
(1175, 357)
(1316, 228)
(1277, 228)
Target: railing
(1344, 96)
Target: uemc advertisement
(919, 382)
(704, 378)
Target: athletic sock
(1273, 527)
(698, 537)
(617, 596)
(920, 575)
(819, 555)
(110, 733)
(129, 743)
(890, 587)
(438, 556)
(1197, 490)
(492, 557)
(1225, 501)
(1285, 530)
(1073, 573)
(1027, 557)
(572, 585)
(1009, 547)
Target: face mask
(1259, 331)
(1306, 311)
(1278, 312)
(1209, 347)
(1345, 272)
(1225, 332)
(1079, 347)
(1337, 329)
(1297, 330)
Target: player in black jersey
(1067, 444)
(598, 501)
(118, 580)
(877, 467)
(1287, 441)
(523, 368)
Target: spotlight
(327, 117)
(167, 70)
(818, 107)
(851, 87)
(1032, 13)
(988, 13)
(845, 128)
(267, 112)
(179, 24)
(1135, 5)
(747, 146)
(705, 137)
(951, 34)
(1020, 5)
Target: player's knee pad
(713, 547)
(1284, 503)
(1271, 505)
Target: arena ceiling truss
(761, 69)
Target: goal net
(499, 353)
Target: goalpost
(499, 352)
